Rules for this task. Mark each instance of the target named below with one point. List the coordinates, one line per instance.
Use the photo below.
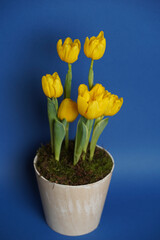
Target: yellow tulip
(91, 104)
(68, 110)
(52, 86)
(113, 104)
(69, 51)
(94, 47)
(97, 102)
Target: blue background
(130, 68)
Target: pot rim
(75, 186)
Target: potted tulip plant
(74, 175)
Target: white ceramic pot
(73, 210)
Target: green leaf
(99, 127)
(81, 136)
(59, 134)
(64, 122)
(52, 115)
(89, 124)
(97, 121)
(52, 112)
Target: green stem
(67, 136)
(56, 103)
(84, 156)
(91, 156)
(91, 75)
(89, 126)
(51, 125)
(68, 81)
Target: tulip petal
(98, 52)
(86, 95)
(113, 106)
(92, 39)
(66, 50)
(68, 40)
(86, 47)
(82, 88)
(97, 90)
(59, 43)
(45, 86)
(100, 35)
(73, 54)
(78, 43)
(92, 46)
(93, 110)
(82, 105)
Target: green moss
(64, 172)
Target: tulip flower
(94, 47)
(95, 104)
(52, 86)
(91, 104)
(113, 104)
(69, 50)
(67, 110)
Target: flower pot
(73, 210)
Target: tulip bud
(94, 47)
(68, 110)
(69, 51)
(52, 86)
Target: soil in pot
(64, 172)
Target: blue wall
(130, 68)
